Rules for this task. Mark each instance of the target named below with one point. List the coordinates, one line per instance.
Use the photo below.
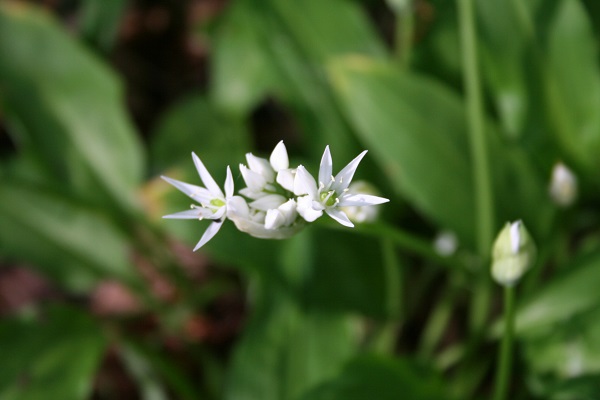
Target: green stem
(402, 239)
(475, 119)
(505, 354)
(404, 34)
(385, 338)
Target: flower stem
(404, 34)
(505, 353)
(402, 239)
(475, 120)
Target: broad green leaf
(506, 36)
(567, 295)
(66, 107)
(269, 48)
(572, 83)
(100, 21)
(243, 71)
(72, 244)
(416, 130)
(567, 350)
(195, 124)
(285, 351)
(371, 377)
(54, 357)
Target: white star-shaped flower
(213, 203)
(332, 191)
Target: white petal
(344, 177)
(339, 216)
(515, 236)
(325, 170)
(306, 210)
(252, 194)
(304, 183)
(261, 166)
(361, 200)
(207, 178)
(255, 181)
(210, 232)
(288, 210)
(274, 219)
(268, 202)
(285, 178)
(279, 157)
(194, 213)
(228, 184)
(197, 193)
(218, 214)
(236, 205)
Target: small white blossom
(332, 193)
(213, 203)
(278, 200)
(563, 185)
(253, 221)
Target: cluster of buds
(277, 201)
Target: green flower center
(217, 203)
(328, 198)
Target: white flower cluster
(277, 200)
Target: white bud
(563, 185)
(445, 243)
(361, 214)
(513, 253)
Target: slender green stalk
(385, 338)
(505, 353)
(404, 34)
(475, 119)
(402, 239)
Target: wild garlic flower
(332, 192)
(277, 201)
(213, 203)
(563, 185)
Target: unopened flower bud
(445, 243)
(563, 185)
(361, 214)
(513, 253)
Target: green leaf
(417, 131)
(70, 243)
(506, 37)
(66, 107)
(572, 83)
(269, 48)
(567, 295)
(371, 377)
(285, 351)
(424, 154)
(54, 357)
(101, 20)
(195, 124)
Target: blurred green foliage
(331, 314)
